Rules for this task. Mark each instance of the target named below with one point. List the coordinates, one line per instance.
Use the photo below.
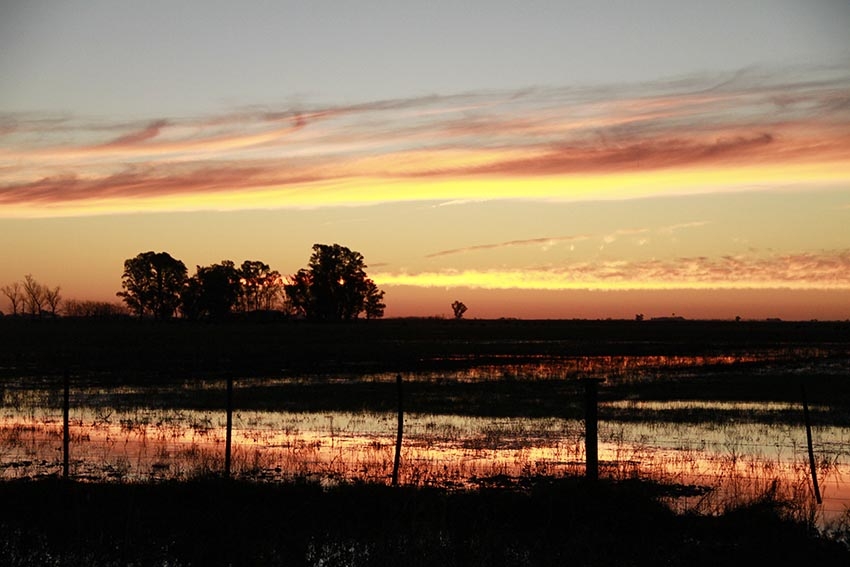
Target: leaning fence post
(66, 430)
(809, 441)
(399, 431)
(591, 430)
(228, 433)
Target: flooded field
(733, 450)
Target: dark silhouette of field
(273, 347)
(548, 522)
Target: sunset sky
(531, 159)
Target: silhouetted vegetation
(261, 287)
(152, 284)
(32, 298)
(211, 292)
(541, 522)
(97, 309)
(14, 293)
(218, 290)
(334, 287)
(458, 308)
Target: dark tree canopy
(152, 284)
(212, 292)
(334, 287)
(375, 305)
(298, 292)
(260, 286)
(458, 308)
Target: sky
(531, 159)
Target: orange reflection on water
(736, 460)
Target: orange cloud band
(541, 144)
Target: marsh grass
(731, 462)
(543, 522)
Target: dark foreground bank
(548, 522)
(126, 349)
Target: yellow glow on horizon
(535, 280)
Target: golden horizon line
(627, 287)
(517, 280)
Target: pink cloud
(745, 120)
(149, 132)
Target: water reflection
(619, 367)
(736, 459)
(153, 432)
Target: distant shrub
(98, 309)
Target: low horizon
(583, 308)
(491, 303)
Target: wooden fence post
(591, 429)
(66, 419)
(399, 431)
(229, 433)
(811, 449)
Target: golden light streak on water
(737, 460)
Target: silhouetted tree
(334, 287)
(459, 309)
(33, 295)
(15, 294)
(190, 299)
(152, 284)
(260, 286)
(212, 291)
(375, 305)
(52, 298)
(298, 296)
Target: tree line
(333, 287)
(32, 298)
(29, 297)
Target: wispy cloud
(681, 226)
(617, 234)
(335, 155)
(133, 138)
(547, 242)
(544, 242)
(804, 271)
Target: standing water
(733, 450)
